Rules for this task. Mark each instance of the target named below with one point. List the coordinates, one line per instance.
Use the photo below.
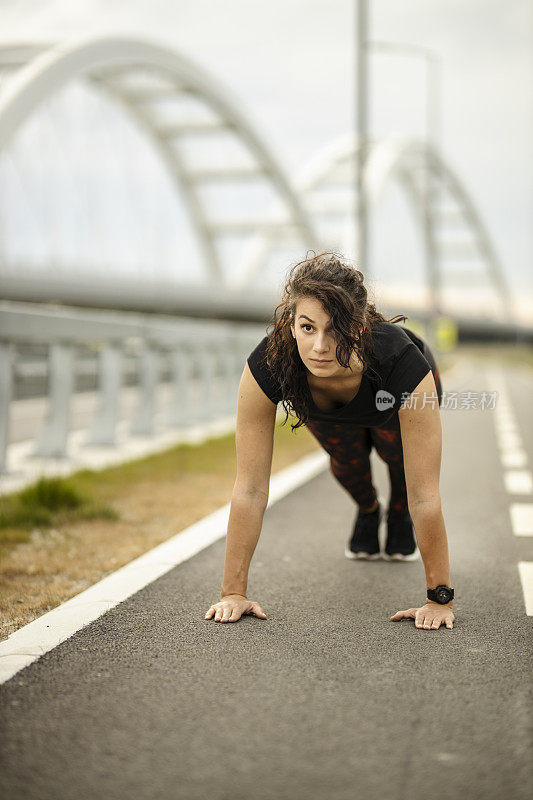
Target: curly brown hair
(340, 289)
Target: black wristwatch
(442, 594)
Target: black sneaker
(364, 543)
(401, 542)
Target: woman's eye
(306, 325)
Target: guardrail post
(199, 383)
(230, 382)
(181, 366)
(52, 442)
(207, 364)
(143, 423)
(6, 391)
(104, 426)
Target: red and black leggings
(349, 446)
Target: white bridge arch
(36, 72)
(299, 216)
(428, 183)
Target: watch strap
(432, 594)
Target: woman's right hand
(232, 607)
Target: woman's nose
(320, 344)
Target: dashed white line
(522, 518)
(518, 482)
(509, 441)
(517, 479)
(514, 458)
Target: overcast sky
(290, 63)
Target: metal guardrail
(203, 360)
(209, 353)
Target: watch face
(443, 595)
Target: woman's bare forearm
(432, 541)
(244, 528)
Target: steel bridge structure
(301, 214)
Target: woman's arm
(254, 441)
(421, 432)
(244, 529)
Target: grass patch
(214, 458)
(46, 503)
(113, 492)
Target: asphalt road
(326, 698)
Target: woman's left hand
(430, 616)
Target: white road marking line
(504, 414)
(506, 428)
(27, 644)
(525, 569)
(283, 482)
(514, 458)
(509, 441)
(518, 482)
(522, 518)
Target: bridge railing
(204, 359)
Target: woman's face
(316, 343)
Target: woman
(356, 380)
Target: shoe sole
(400, 557)
(361, 555)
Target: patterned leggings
(349, 447)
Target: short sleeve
(262, 373)
(406, 372)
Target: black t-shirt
(398, 365)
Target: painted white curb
(525, 568)
(27, 644)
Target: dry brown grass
(155, 498)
